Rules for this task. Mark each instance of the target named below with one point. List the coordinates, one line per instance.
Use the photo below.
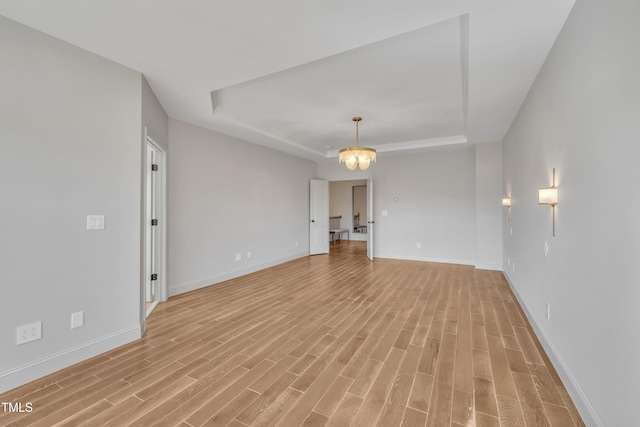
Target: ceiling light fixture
(357, 156)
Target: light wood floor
(323, 340)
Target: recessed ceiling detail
(410, 87)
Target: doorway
(351, 203)
(319, 217)
(155, 227)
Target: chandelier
(357, 156)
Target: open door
(153, 158)
(319, 217)
(154, 266)
(370, 221)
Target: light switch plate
(95, 222)
(77, 319)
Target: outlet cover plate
(28, 333)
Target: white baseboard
(588, 413)
(153, 305)
(50, 364)
(208, 281)
(495, 266)
(429, 259)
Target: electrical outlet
(546, 249)
(296, 244)
(248, 255)
(28, 333)
(238, 257)
(508, 260)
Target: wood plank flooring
(328, 340)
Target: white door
(370, 221)
(319, 217)
(150, 210)
(154, 224)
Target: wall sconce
(549, 196)
(507, 202)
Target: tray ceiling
(290, 75)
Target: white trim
(161, 291)
(494, 266)
(412, 145)
(588, 413)
(357, 237)
(208, 281)
(151, 307)
(429, 259)
(263, 136)
(65, 358)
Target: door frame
(369, 185)
(161, 292)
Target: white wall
(581, 117)
(227, 196)
(70, 144)
(154, 118)
(489, 208)
(435, 207)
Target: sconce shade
(506, 201)
(548, 196)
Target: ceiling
(290, 74)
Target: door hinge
(154, 222)
(154, 167)
(154, 277)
